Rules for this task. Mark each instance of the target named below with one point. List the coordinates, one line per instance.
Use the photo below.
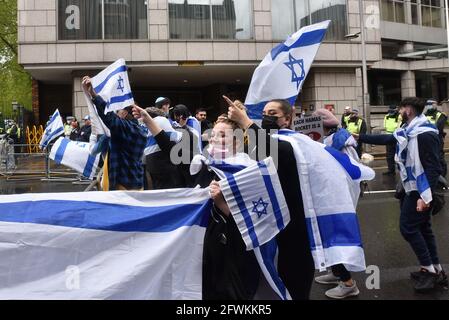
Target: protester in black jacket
(295, 262)
(415, 218)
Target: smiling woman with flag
(229, 271)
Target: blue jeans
(416, 228)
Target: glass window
(230, 20)
(415, 17)
(125, 19)
(393, 10)
(334, 10)
(399, 12)
(83, 19)
(431, 11)
(307, 12)
(191, 19)
(80, 19)
(283, 18)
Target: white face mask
(218, 152)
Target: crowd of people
(229, 271)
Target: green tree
(15, 82)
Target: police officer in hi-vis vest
(438, 119)
(345, 117)
(392, 121)
(356, 125)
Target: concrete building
(193, 51)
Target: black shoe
(426, 281)
(415, 275)
(442, 279)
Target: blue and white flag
(103, 245)
(258, 220)
(165, 125)
(112, 84)
(283, 71)
(329, 181)
(54, 129)
(195, 127)
(75, 155)
(257, 203)
(411, 170)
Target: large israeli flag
(75, 155)
(54, 129)
(283, 71)
(103, 245)
(329, 182)
(112, 84)
(165, 125)
(257, 203)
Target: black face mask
(270, 123)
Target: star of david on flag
(260, 207)
(54, 129)
(297, 78)
(284, 69)
(112, 84)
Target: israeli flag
(329, 182)
(195, 127)
(257, 203)
(75, 155)
(112, 84)
(103, 245)
(282, 73)
(165, 125)
(412, 173)
(54, 129)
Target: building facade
(194, 51)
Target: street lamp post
(365, 96)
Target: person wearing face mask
(180, 115)
(438, 119)
(229, 271)
(295, 262)
(419, 149)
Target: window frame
(212, 38)
(103, 33)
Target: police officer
(356, 125)
(392, 121)
(345, 117)
(438, 119)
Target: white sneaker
(328, 278)
(342, 291)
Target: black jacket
(85, 133)
(295, 262)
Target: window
(210, 19)
(393, 10)
(290, 16)
(415, 11)
(102, 19)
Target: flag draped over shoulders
(329, 180)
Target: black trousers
(339, 270)
(416, 228)
(391, 151)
